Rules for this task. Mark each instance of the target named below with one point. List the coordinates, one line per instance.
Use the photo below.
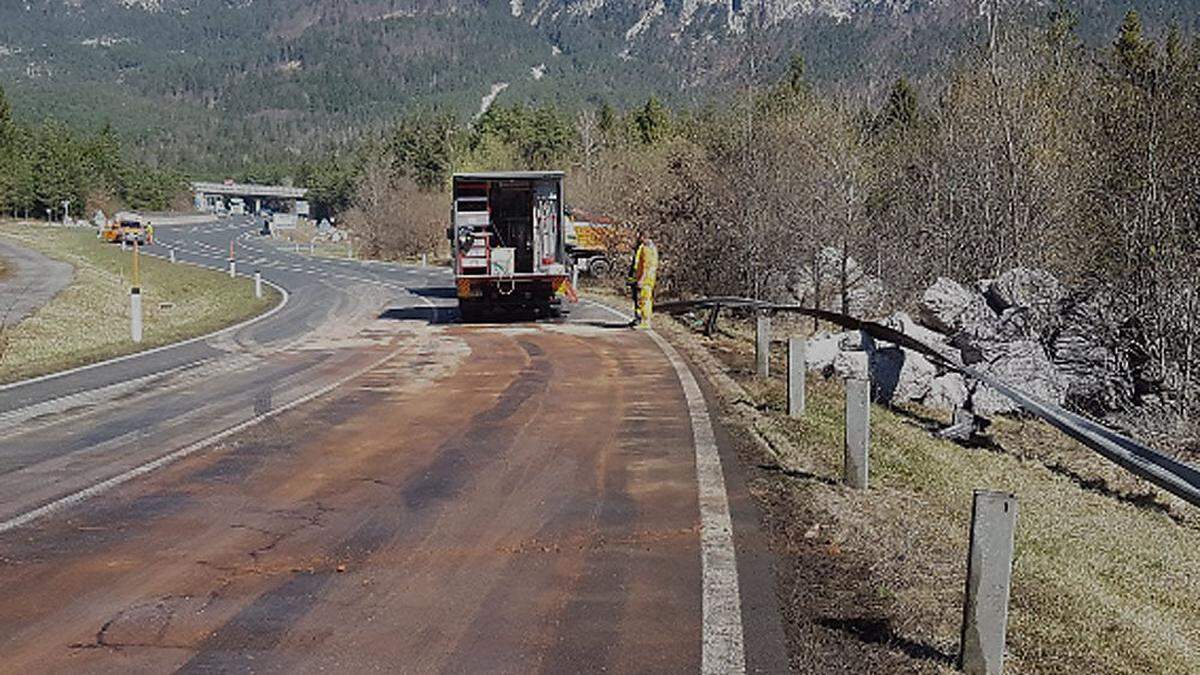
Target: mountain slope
(292, 70)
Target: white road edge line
(722, 648)
(148, 467)
(228, 329)
(154, 464)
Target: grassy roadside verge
(1104, 570)
(89, 320)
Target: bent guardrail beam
(1177, 478)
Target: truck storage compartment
(507, 234)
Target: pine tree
(651, 122)
(901, 109)
(1134, 54)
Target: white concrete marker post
(135, 299)
(762, 345)
(797, 366)
(135, 314)
(257, 284)
(858, 433)
(989, 579)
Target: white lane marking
(723, 649)
(143, 469)
(217, 333)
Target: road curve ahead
(388, 491)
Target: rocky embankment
(1022, 328)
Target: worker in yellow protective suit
(645, 274)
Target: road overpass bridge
(219, 196)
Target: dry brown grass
(89, 320)
(1105, 568)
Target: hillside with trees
(221, 87)
(45, 165)
(1032, 152)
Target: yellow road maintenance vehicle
(507, 237)
(594, 241)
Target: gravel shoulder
(87, 320)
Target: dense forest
(44, 166)
(1033, 150)
(221, 87)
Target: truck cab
(508, 241)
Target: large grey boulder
(899, 375)
(1084, 350)
(949, 307)
(821, 350)
(864, 291)
(1035, 293)
(1023, 365)
(946, 392)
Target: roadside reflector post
(762, 345)
(172, 255)
(232, 268)
(135, 313)
(796, 368)
(257, 284)
(858, 432)
(297, 247)
(135, 299)
(424, 260)
(312, 248)
(989, 579)
(349, 249)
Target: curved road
(358, 482)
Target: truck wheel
(599, 267)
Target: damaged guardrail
(1177, 478)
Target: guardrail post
(257, 284)
(762, 345)
(135, 314)
(858, 433)
(797, 366)
(989, 578)
(172, 255)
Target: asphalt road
(29, 281)
(389, 490)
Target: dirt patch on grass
(88, 321)
(873, 582)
